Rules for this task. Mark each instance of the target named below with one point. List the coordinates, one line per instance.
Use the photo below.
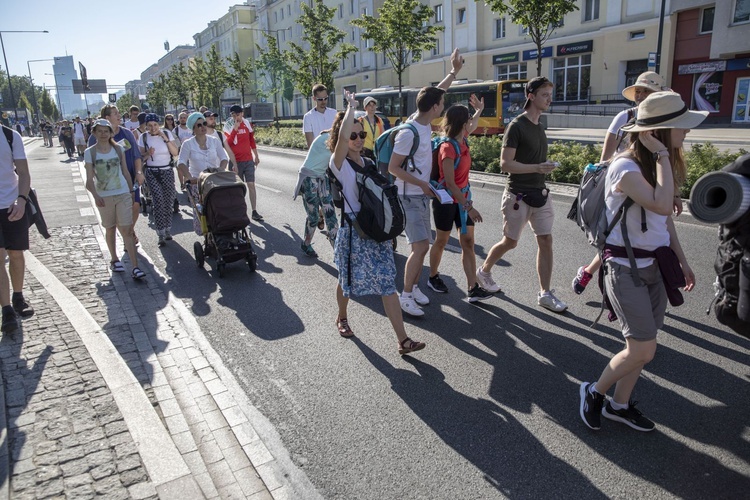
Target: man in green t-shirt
(526, 200)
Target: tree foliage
(179, 85)
(124, 102)
(322, 48)
(216, 78)
(49, 109)
(272, 67)
(540, 18)
(157, 95)
(402, 31)
(240, 76)
(21, 86)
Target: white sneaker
(549, 301)
(419, 297)
(410, 307)
(485, 281)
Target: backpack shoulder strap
(120, 154)
(9, 137)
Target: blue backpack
(385, 143)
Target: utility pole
(661, 33)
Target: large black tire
(176, 208)
(252, 262)
(198, 251)
(220, 265)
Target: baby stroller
(223, 216)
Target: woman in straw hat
(649, 172)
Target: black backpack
(732, 265)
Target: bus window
(490, 102)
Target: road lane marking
(267, 188)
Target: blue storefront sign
(738, 64)
(529, 55)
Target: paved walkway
(110, 389)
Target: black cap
(235, 109)
(532, 86)
(142, 117)
(211, 113)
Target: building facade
(711, 67)
(64, 70)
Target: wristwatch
(659, 154)
(25, 198)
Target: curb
(4, 452)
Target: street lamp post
(659, 37)
(10, 85)
(31, 80)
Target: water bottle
(591, 168)
(199, 208)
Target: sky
(115, 41)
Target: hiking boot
(581, 280)
(437, 284)
(256, 216)
(10, 320)
(485, 281)
(478, 293)
(629, 416)
(591, 406)
(410, 307)
(548, 301)
(22, 308)
(419, 297)
(308, 250)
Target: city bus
(503, 101)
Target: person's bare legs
(252, 195)
(17, 268)
(341, 301)
(468, 257)
(625, 368)
(496, 253)
(111, 239)
(126, 232)
(437, 249)
(414, 264)
(544, 260)
(393, 310)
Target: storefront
(508, 67)
(720, 87)
(571, 71)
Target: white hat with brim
(665, 110)
(101, 122)
(648, 80)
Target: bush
(283, 137)
(573, 157)
(485, 153)
(702, 159)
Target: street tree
(216, 78)
(24, 103)
(321, 50)
(179, 85)
(196, 78)
(541, 19)
(157, 95)
(402, 31)
(240, 75)
(124, 102)
(272, 67)
(47, 105)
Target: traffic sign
(652, 59)
(112, 98)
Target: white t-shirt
(8, 177)
(108, 178)
(78, 129)
(314, 121)
(422, 158)
(131, 125)
(614, 128)
(197, 159)
(348, 179)
(656, 236)
(183, 134)
(161, 156)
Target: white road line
(267, 188)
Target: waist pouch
(533, 197)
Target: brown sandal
(408, 345)
(344, 329)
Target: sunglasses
(354, 135)
(321, 99)
(519, 197)
(201, 124)
(169, 119)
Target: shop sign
(702, 67)
(741, 106)
(529, 55)
(738, 64)
(707, 91)
(570, 49)
(505, 58)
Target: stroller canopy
(210, 181)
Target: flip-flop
(117, 266)
(138, 274)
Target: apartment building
(232, 33)
(711, 67)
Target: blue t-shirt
(126, 140)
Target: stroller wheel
(252, 261)
(198, 251)
(220, 268)
(144, 206)
(176, 208)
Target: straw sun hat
(665, 110)
(648, 80)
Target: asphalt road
(490, 408)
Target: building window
(523, 30)
(572, 78)
(633, 69)
(354, 38)
(741, 11)
(638, 35)
(385, 59)
(500, 28)
(436, 48)
(515, 71)
(354, 60)
(707, 20)
(288, 10)
(276, 17)
(461, 16)
(343, 63)
(341, 11)
(364, 11)
(282, 14)
(351, 6)
(438, 13)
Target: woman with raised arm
(365, 266)
(638, 283)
